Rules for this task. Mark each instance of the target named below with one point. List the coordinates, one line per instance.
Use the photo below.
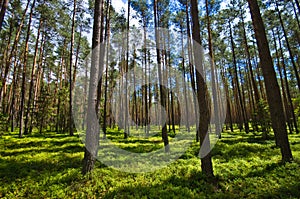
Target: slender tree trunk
(71, 130)
(101, 58)
(213, 78)
(16, 73)
(289, 97)
(296, 16)
(298, 5)
(272, 88)
(253, 81)
(206, 163)
(229, 114)
(62, 62)
(162, 88)
(191, 67)
(107, 38)
(288, 46)
(2, 12)
(187, 122)
(283, 85)
(32, 79)
(242, 105)
(23, 89)
(12, 52)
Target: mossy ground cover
(49, 166)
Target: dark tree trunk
(71, 130)
(272, 88)
(27, 118)
(23, 87)
(2, 12)
(107, 35)
(242, 105)
(283, 85)
(206, 163)
(288, 46)
(289, 97)
(12, 52)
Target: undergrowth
(49, 166)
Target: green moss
(49, 166)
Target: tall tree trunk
(206, 163)
(92, 132)
(288, 46)
(12, 52)
(213, 78)
(289, 97)
(191, 67)
(187, 122)
(162, 88)
(71, 130)
(32, 79)
(272, 88)
(242, 105)
(101, 61)
(23, 88)
(229, 114)
(127, 129)
(283, 85)
(16, 73)
(107, 38)
(253, 81)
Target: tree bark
(23, 88)
(13, 49)
(272, 88)
(162, 88)
(288, 46)
(289, 97)
(31, 84)
(71, 130)
(242, 105)
(2, 12)
(92, 132)
(213, 78)
(206, 163)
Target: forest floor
(49, 166)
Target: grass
(49, 166)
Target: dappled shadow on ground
(63, 149)
(36, 157)
(193, 185)
(12, 170)
(249, 138)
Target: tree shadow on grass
(192, 186)
(11, 170)
(241, 150)
(291, 191)
(64, 148)
(25, 144)
(249, 139)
